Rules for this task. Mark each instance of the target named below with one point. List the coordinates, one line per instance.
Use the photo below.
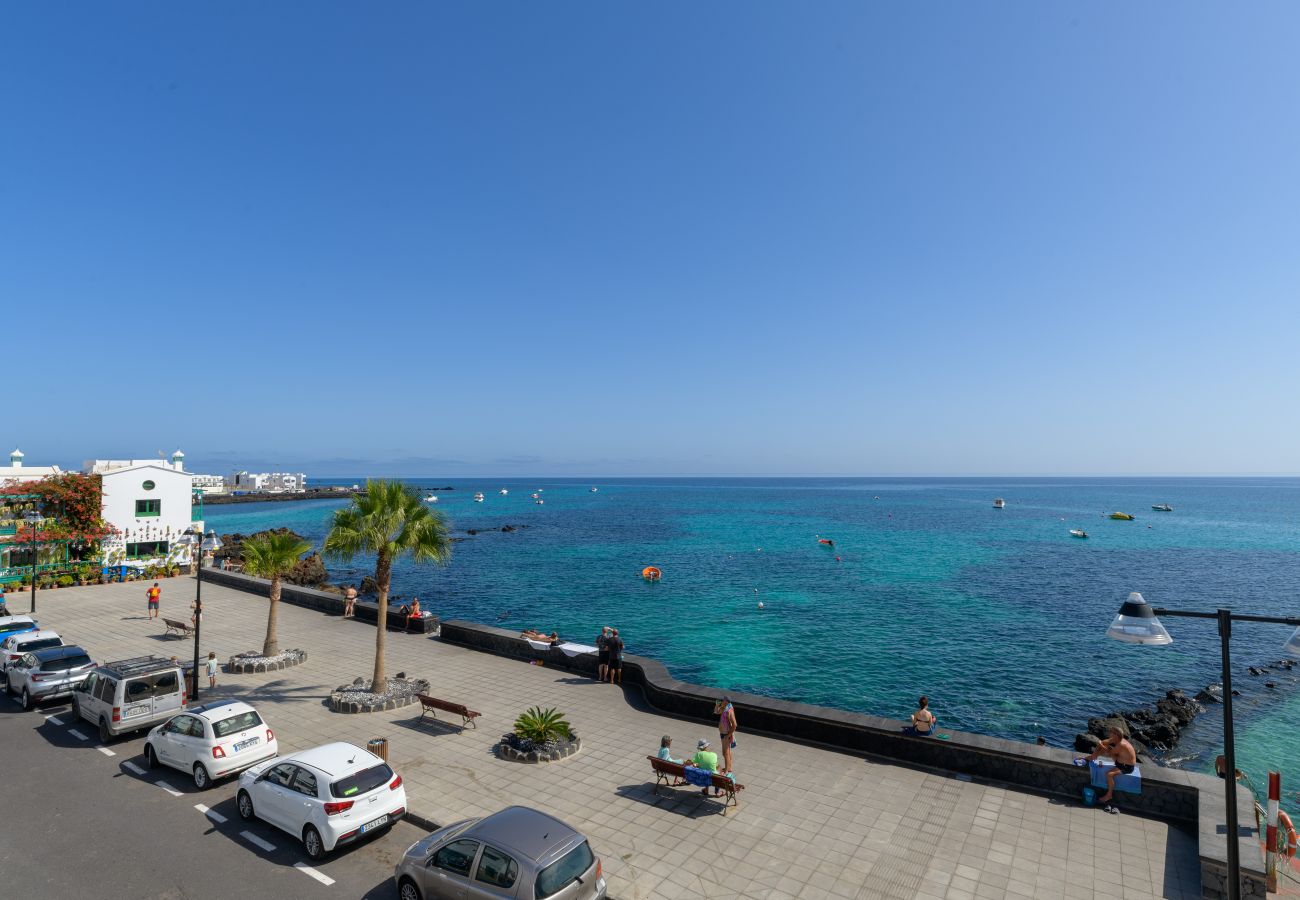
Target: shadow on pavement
(685, 801)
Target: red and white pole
(1274, 795)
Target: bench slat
(433, 703)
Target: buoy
(837, 559)
(650, 573)
(760, 604)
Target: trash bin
(379, 747)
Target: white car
(15, 625)
(326, 796)
(16, 645)
(211, 741)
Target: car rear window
(557, 876)
(362, 782)
(62, 665)
(11, 627)
(42, 644)
(239, 722)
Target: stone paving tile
(811, 822)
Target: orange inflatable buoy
(650, 573)
(1284, 824)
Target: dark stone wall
(321, 601)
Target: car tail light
(36, 677)
(396, 783)
(117, 713)
(598, 868)
(218, 753)
(333, 809)
(398, 813)
(270, 735)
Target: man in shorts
(602, 653)
(153, 594)
(1118, 748)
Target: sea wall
(321, 601)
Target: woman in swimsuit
(923, 720)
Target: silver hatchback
(43, 674)
(518, 853)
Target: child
(212, 669)
(666, 749)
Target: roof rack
(137, 665)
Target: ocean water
(998, 615)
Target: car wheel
(104, 734)
(244, 804)
(27, 701)
(9, 688)
(313, 844)
(150, 758)
(202, 780)
(76, 709)
(406, 890)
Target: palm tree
(273, 556)
(389, 520)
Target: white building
(151, 503)
(16, 471)
(267, 482)
(209, 484)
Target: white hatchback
(16, 645)
(211, 741)
(326, 796)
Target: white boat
(1078, 532)
(593, 490)
(540, 501)
(1163, 507)
(536, 497)
(999, 503)
(432, 498)
(478, 498)
(504, 492)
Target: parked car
(129, 695)
(327, 796)
(16, 645)
(45, 674)
(211, 741)
(11, 625)
(517, 852)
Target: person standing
(615, 644)
(212, 669)
(602, 653)
(726, 731)
(154, 594)
(350, 603)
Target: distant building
(267, 482)
(151, 503)
(16, 471)
(209, 484)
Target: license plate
(135, 711)
(244, 745)
(382, 820)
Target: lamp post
(198, 544)
(1137, 623)
(33, 518)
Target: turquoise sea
(998, 615)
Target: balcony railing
(8, 530)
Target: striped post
(1274, 795)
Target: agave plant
(541, 725)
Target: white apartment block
(267, 482)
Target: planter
(513, 748)
(251, 662)
(358, 698)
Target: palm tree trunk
(271, 645)
(383, 580)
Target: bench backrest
(175, 624)
(679, 769)
(458, 708)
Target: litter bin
(379, 747)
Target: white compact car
(16, 645)
(326, 796)
(211, 741)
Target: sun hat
(702, 744)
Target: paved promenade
(811, 823)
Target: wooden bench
(431, 705)
(664, 770)
(180, 629)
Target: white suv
(211, 741)
(327, 796)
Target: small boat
(1122, 516)
(826, 541)
(478, 498)
(504, 492)
(536, 497)
(1078, 532)
(1163, 507)
(593, 490)
(651, 573)
(539, 501)
(999, 503)
(432, 498)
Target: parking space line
(319, 876)
(105, 751)
(214, 816)
(257, 841)
(77, 734)
(168, 788)
(54, 720)
(133, 768)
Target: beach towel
(571, 649)
(538, 645)
(698, 777)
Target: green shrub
(65, 580)
(539, 725)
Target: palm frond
(270, 555)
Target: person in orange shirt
(153, 594)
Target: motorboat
(504, 492)
(826, 542)
(593, 490)
(1078, 532)
(999, 503)
(536, 496)
(1122, 516)
(1163, 507)
(539, 501)
(478, 498)
(432, 498)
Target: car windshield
(67, 662)
(42, 644)
(557, 876)
(11, 627)
(236, 723)
(362, 782)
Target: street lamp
(1137, 623)
(198, 544)
(33, 518)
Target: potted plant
(65, 581)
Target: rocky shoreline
(331, 493)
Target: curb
(422, 821)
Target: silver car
(44, 674)
(518, 853)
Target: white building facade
(151, 503)
(267, 482)
(16, 471)
(209, 484)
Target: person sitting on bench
(923, 720)
(666, 750)
(1118, 748)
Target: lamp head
(31, 517)
(211, 542)
(1136, 623)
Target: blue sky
(604, 238)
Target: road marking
(106, 751)
(254, 839)
(55, 720)
(168, 788)
(133, 768)
(77, 734)
(319, 876)
(214, 816)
